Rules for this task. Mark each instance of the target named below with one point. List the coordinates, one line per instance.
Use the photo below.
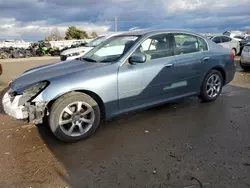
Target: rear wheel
(211, 86)
(74, 117)
(246, 68)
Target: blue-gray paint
(124, 87)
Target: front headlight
(33, 90)
(74, 54)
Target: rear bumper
(12, 108)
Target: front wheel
(211, 86)
(74, 117)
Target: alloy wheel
(213, 85)
(76, 119)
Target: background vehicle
(245, 57)
(73, 53)
(227, 42)
(244, 41)
(232, 34)
(127, 72)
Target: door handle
(168, 65)
(206, 58)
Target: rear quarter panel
(219, 58)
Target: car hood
(75, 50)
(50, 71)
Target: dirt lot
(182, 144)
(14, 67)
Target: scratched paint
(175, 85)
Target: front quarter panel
(102, 81)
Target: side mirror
(137, 58)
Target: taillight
(232, 54)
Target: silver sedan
(127, 72)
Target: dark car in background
(244, 40)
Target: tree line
(71, 33)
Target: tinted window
(157, 46)
(185, 43)
(217, 39)
(225, 39)
(239, 37)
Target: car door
(152, 81)
(227, 42)
(189, 51)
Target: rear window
(239, 37)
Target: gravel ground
(183, 144)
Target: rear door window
(185, 43)
(225, 39)
(217, 39)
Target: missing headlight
(32, 91)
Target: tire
(77, 125)
(245, 68)
(206, 95)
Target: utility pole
(116, 24)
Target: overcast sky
(34, 19)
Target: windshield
(95, 42)
(111, 50)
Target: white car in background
(73, 53)
(227, 42)
(232, 34)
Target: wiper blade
(88, 59)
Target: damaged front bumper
(18, 107)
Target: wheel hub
(78, 120)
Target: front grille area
(63, 57)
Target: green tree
(75, 33)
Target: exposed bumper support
(33, 112)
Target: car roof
(149, 31)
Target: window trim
(145, 37)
